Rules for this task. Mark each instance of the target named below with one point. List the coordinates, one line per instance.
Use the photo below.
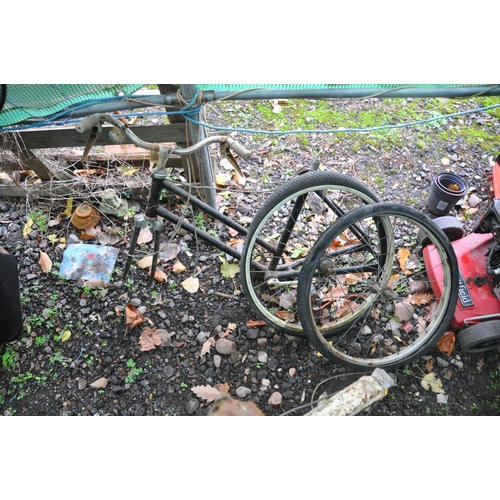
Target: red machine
(477, 314)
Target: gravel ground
(77, 357)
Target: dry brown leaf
(191, 284)
(178, 267)
(419, 299)
(210, 342)
(429, 365)
(240, 179)
(145, 236)
(251, 323)
(145, 262)
(223, 388)
(207, 392)
(431, 311)
(472, 211)
(285, 315)
(150, 339)
(446, 343)
(133, 317)
(169, 251)
(45, 262)
(403, 254)
(160, 276)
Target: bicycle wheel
(480, 337)
(281, 235)
(395, 309)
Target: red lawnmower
(477, 313)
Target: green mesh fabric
(40, 101)
(231, 87)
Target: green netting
(234, 87)
(40, 101)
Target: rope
(343, 130)
(189, 110)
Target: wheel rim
(274, 293)
(389, 316)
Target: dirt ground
(99, 366)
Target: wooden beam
(63, 137)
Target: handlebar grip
(87, 123)
(240, 150)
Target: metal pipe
(404, 92)
(197, 134)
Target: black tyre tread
(473, 338)
(306, 181)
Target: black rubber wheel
(396, 308)
(450, 226)
(281, 235)
(480, 337)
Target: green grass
(302, 114)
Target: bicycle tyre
(392, 315)
(480, 337)
(269, 301)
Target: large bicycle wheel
(395, 309)
(282, 234)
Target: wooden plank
(31, 162)
(63, 137)
(69, 188)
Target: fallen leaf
(207, 392)
(191, 284)
(65, 335)
(69, 207)
(54, 222)
(446, 343)
(403, 254)
(223, 179)
(145, 262)
(429, 365)
(178, 267)
(431, 383)
(285, 315)
(149, 339)
(240, 179)
(253, 323)
(222, 388)
(169, 251)
(145, 236)
(27, 228)
(207, 345)
(133, 317)
(45, 262)
(276, 106)
(228, 270)
(288, 299)
(160, 276)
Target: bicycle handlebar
(90, 121)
